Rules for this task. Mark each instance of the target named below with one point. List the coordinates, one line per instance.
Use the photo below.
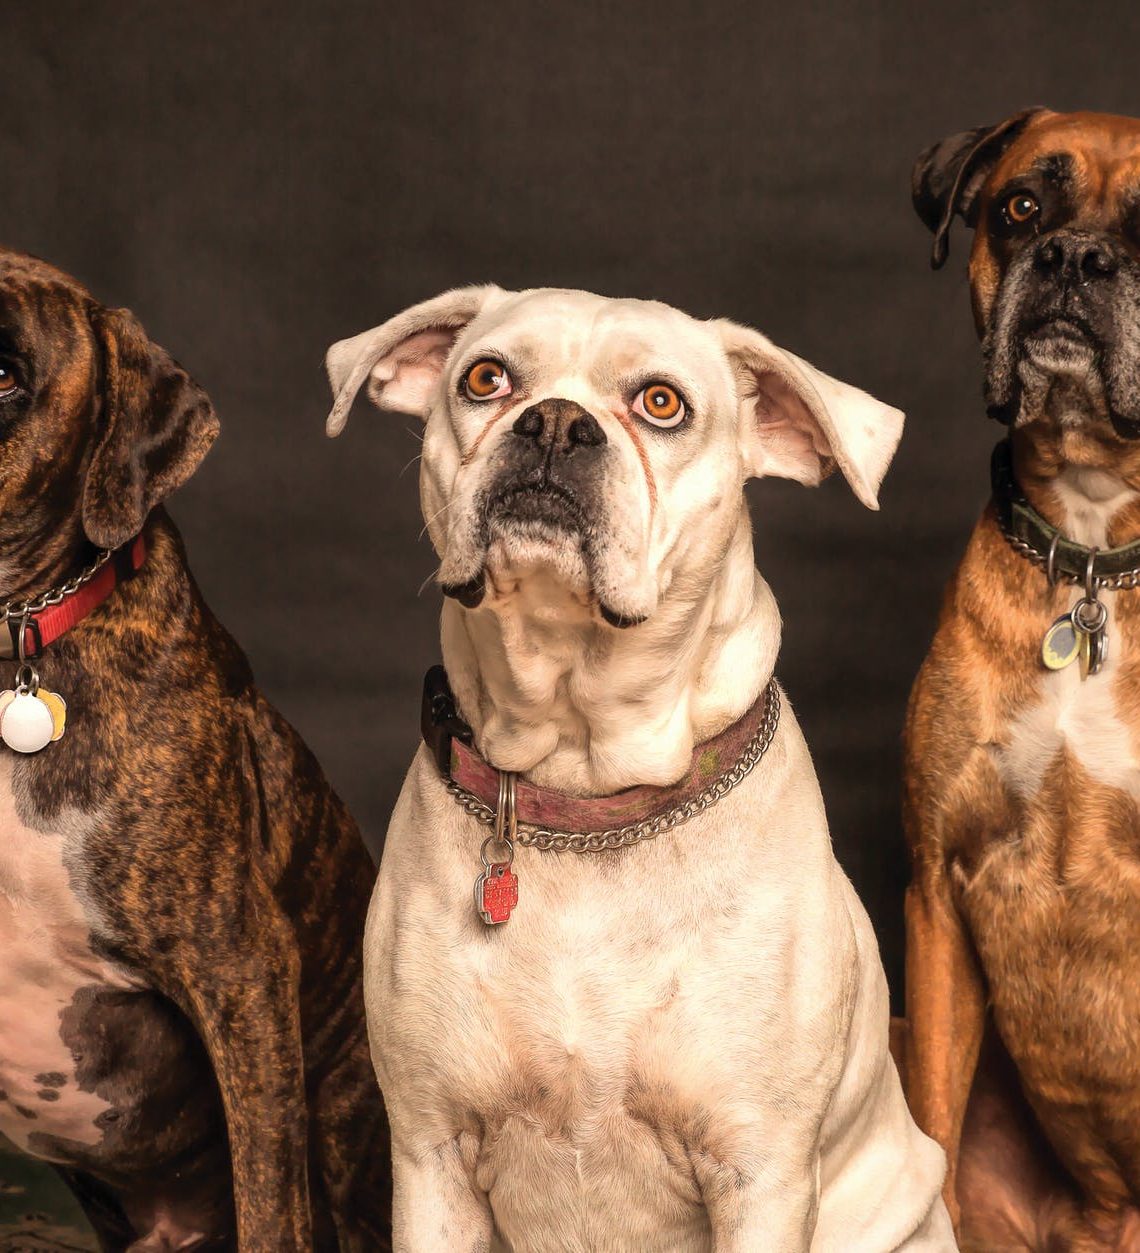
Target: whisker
(439, 512)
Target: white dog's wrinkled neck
(584, 708)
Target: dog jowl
(623, 1042)
(182, 896)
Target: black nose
(1075, 255)
(559, 424)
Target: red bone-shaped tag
(496, 892)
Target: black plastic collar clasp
(440, 722)
(33, 642)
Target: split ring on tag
(1080, 633)
(497, 888)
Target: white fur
(683, 1045)
(45, 958)
(1082, 716)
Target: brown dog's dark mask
(948, 176)
(157, 425)
(1054, 203)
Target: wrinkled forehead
(41, 308)
(1096, 156)
(555, 334)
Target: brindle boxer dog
(1023, 966)
(182, 895)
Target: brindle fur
(224, 872)
(1023, 915)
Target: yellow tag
(1062, 644)
(57, 706)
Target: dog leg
(351, 1152)
(436, 1207)
(101, 1208)
(945, 1002)
(244, 1002)
(775, 1211)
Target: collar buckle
(28, 628)
(440, 722)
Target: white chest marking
(1090, 499)
(45, 940)
(1082, 717)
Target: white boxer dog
(624, 1042)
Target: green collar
(1033, 537)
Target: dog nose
(1075, 255)
(560, 424)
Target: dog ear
(404, 358)
(948, 176)
(158, 424)
(798, 423)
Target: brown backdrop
(256, 180)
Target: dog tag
(22, 722)
(496, 892)
(26, 723)
(1062, 643)
(58, 707)
(1089, 618)
(1093, 652)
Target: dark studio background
(257, 180)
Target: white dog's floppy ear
(798, 423)
(402, 359)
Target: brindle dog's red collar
(451, 743)
(42, 627)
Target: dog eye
(660, 405)
(7, 380)
(487, 380)
(1020, 208)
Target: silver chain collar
(649, 828)
(56, 595)
(1125, 581)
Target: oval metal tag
(1061, 644)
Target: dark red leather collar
(46, 626)
(452, 745)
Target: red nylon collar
(44, 628)
(451, 742)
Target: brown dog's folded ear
(158, 424)
(948, 176)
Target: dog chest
(45, 939)
(611, 1036)
(1053, 906)
(1088, 720)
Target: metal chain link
(56, 595)
(649, 828)
(1125, 581)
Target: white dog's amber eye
(487, 380)
(1021, 207)
(660, 405)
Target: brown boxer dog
(1023, 733)
(182, 895)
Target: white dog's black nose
(559, 424)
